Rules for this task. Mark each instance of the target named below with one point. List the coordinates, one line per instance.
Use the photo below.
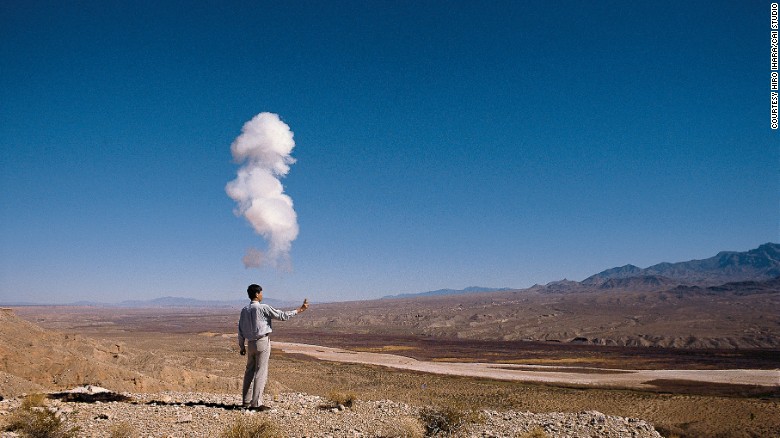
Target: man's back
(252, 323)
(256, 317)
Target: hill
(35, 359)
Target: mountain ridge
(759, 264)
(726, 267)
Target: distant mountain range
(171, 302)
(726, 269)
(762, 263)
(468, 290)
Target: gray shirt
(255, 321)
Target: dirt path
(537, 373)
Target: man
(254, 326)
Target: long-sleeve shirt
(255, 321)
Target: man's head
(254, 290)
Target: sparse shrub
(669, 431)
(33, 419)
(447, 419)
(346, 399)
(404, 427)
(33, 401)
(251, 427)
(123, 430)
(536, 432)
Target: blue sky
(438, 144)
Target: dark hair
(253, 290)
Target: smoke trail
(264, 147)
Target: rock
(88, 389)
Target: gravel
(179, 414)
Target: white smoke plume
(264, 147)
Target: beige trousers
(256, 373)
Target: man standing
(254, 326)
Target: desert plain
(692, 364)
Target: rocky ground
(176, 414)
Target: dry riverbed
(538, 373)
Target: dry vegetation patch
(674, 386)
(536, 432)
(33, 419)
(251, 427)
(448, 419)
(123, 429)
(402, 427)
(338, 399)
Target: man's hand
(243, 351)
(304, 306)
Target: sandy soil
(537, 373)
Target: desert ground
(193, 350)
(567, 312)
